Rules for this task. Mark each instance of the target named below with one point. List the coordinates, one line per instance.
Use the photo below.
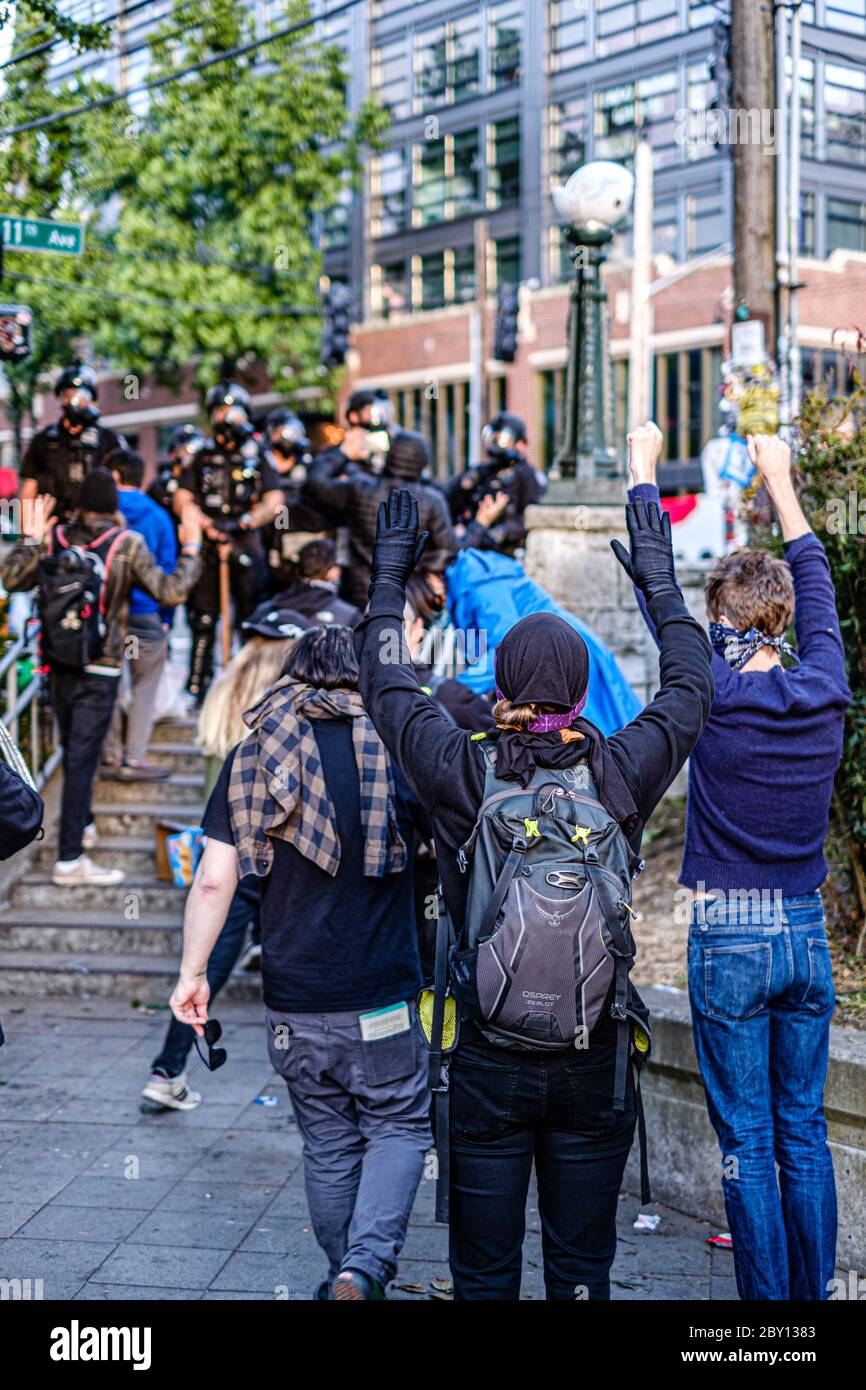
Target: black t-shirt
(59, 460)
(331, 945)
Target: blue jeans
(244, 909)
(761, 991)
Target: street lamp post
(593, 201)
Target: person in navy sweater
(760, 979)
(124, 754)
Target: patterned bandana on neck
(738, 648)
(550, 723)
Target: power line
(258, 310)
(58, 38)
(103, 55)
(239, 51)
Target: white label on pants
(384, 1023)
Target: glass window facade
(631, 110)
(845, 114)
(567, 137)
(504, 43)
(846, 225)
(568, 34)
(506, 261)
(447, 62)
(706, 222)
(503, 169)
(620, 25)
(389, 77)
(389, 192)
(848, 15)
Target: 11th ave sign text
(38, 234)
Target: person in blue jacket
(124, 756)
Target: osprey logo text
(77, 1343)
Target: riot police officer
(59, 456)
(500, 488)
(185, 443)
(364, 447)
(233, 481)
(298, 522)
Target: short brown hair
(754, 589)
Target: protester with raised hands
(760, 976)
(551, 1085)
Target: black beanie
(408, 456)
(98, 492)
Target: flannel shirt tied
(277, 788)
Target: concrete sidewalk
(101, 1201)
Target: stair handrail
(18, 701)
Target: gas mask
(376, 425)
(81, 409)
(235, 427)
(501, 444)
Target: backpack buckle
(617, 1012)
(591, 856)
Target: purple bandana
(549, 723)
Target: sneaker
(90, 836)
(171, 1092)
(141, 772)
(352, 1286)
(83, 871)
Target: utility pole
(640, 357)
(478, 342)
(753, 103)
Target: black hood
(408, 455)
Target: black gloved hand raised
(650, 567)
(398, 546)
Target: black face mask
(81, 410)
(233, 432)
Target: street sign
(38, 234)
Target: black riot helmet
(502, 435)
(77, 388)
(381, 410)
(230, 407)
(78, 375)
(228, 393)
(286, 433)
(186, 441)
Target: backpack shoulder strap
(112, 551)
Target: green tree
(55, 24)
(218, 183)
(42, 173)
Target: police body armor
(228, 484)
(68, 458)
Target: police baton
(225, 604)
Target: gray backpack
(547, 914)
(547, 929)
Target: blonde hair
(257, 666)
(509, 716)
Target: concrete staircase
(122, 942)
